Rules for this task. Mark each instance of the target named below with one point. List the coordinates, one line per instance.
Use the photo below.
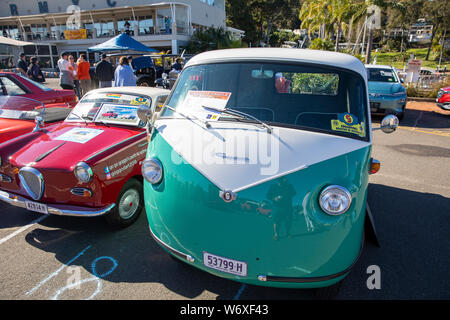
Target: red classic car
(13, 84)
(88, 165)
(18, 115)
(443, 98)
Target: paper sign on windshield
(118, 114)
(79, 135)
(201, 104)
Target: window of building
(146, 25)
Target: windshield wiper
(189, 117)
(80, 117)
(241, 114)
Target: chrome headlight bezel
(338, 193)
(152, 170)
(83, 172)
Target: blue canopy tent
(122, 42)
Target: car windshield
(304, 97)
(37, 84)
(109, 107)
(381, 75)
(19, 108)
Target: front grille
(32, 181)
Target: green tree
(259, 18)
(212, 39)
(438, 13)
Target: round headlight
(83, 172)
(335, 200)
(152, 171)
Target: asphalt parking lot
(53, 257)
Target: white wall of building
(204, 12)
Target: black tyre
(129, 205)
(146, 82)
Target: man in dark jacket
(22, 64)
(34, 72)
(104, 72)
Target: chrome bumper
(62, 210)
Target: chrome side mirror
(39, 123)
(144, 113)
(389, 123)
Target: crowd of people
(76, 76)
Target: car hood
(384, 87)
(63, 146)
(10, 128)
(237, 156)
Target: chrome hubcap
(129, 204)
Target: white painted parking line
(25, 227)
(58, 271)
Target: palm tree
(340, 12)
(315, 16)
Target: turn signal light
(16, 170)
(374, 166)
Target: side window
(160, 102)
(12, 89)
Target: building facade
(55, 26)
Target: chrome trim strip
(116, 144)
(179, 254)
(19, 201)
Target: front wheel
(129, 205)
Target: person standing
(65, 72)
(76, 82)
(34, 72)
(124, 75)
(83, 67)
(104, 72)
(22, 64)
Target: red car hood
(10, 128)
(63, 146)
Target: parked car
(18, 115)
(13, 84)
(443, 98)
(258, 166)
(386, 92)
(88, 165)
(145, 71)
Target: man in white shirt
(65, 72)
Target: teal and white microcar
(258, 166)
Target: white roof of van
(328, 58)
(149, 91)
(378, 66)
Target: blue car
(386, 93)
